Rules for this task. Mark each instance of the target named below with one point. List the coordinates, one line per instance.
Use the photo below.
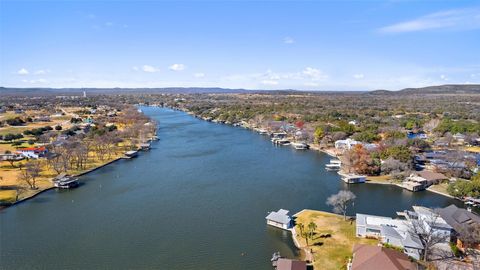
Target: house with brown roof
(431, 177)
(367, 257)
(288, 264)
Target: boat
(334, 165)
(65, 181)
(282, 142)
(262, 131)
(300, 146)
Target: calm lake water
(197, 200)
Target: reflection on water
(197, 200)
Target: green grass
(330, 252)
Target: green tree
(465, 188)
(398, 152)
(311, 229)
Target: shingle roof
(389, 231)
(366, 257)
(458, 218)
(431, 176)
(412, 241)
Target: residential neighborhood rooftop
(366, 257)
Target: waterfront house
(367, 257)
(33, 152)
(279, 219)
(345, 144)
(370, 226)
(390, 231)
(288, 264)
(402, 238)
(431, 221)
(431, 177)
(460, 220)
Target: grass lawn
(8, 196)
(329, 252)
(381, 179)
(442, 188)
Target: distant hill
(97, 91)
(439, 89)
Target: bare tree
(30, 173)
(424, 228)
(391, 165)
(340, 202)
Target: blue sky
(313, 45)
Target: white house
(431, 221)
(346, 144)
(390, 231)
(279, 219)
(33, 152)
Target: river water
(197, 200)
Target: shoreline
(53, 187)
(315, 147)
(45, 189)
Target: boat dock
(351, 178)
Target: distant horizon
(265, 45)
(227, 88)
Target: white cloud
(109, 24)
(269, 82)
(314, 74)
(288, 40)
(177, 67)
(311, 84)
(23, 71)
(456, 19)
(135, 68)
(443, 77)
(271, 75)
(41, 81)
(199, 75)
(149, 69)
(358, 76)
(41, 72)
